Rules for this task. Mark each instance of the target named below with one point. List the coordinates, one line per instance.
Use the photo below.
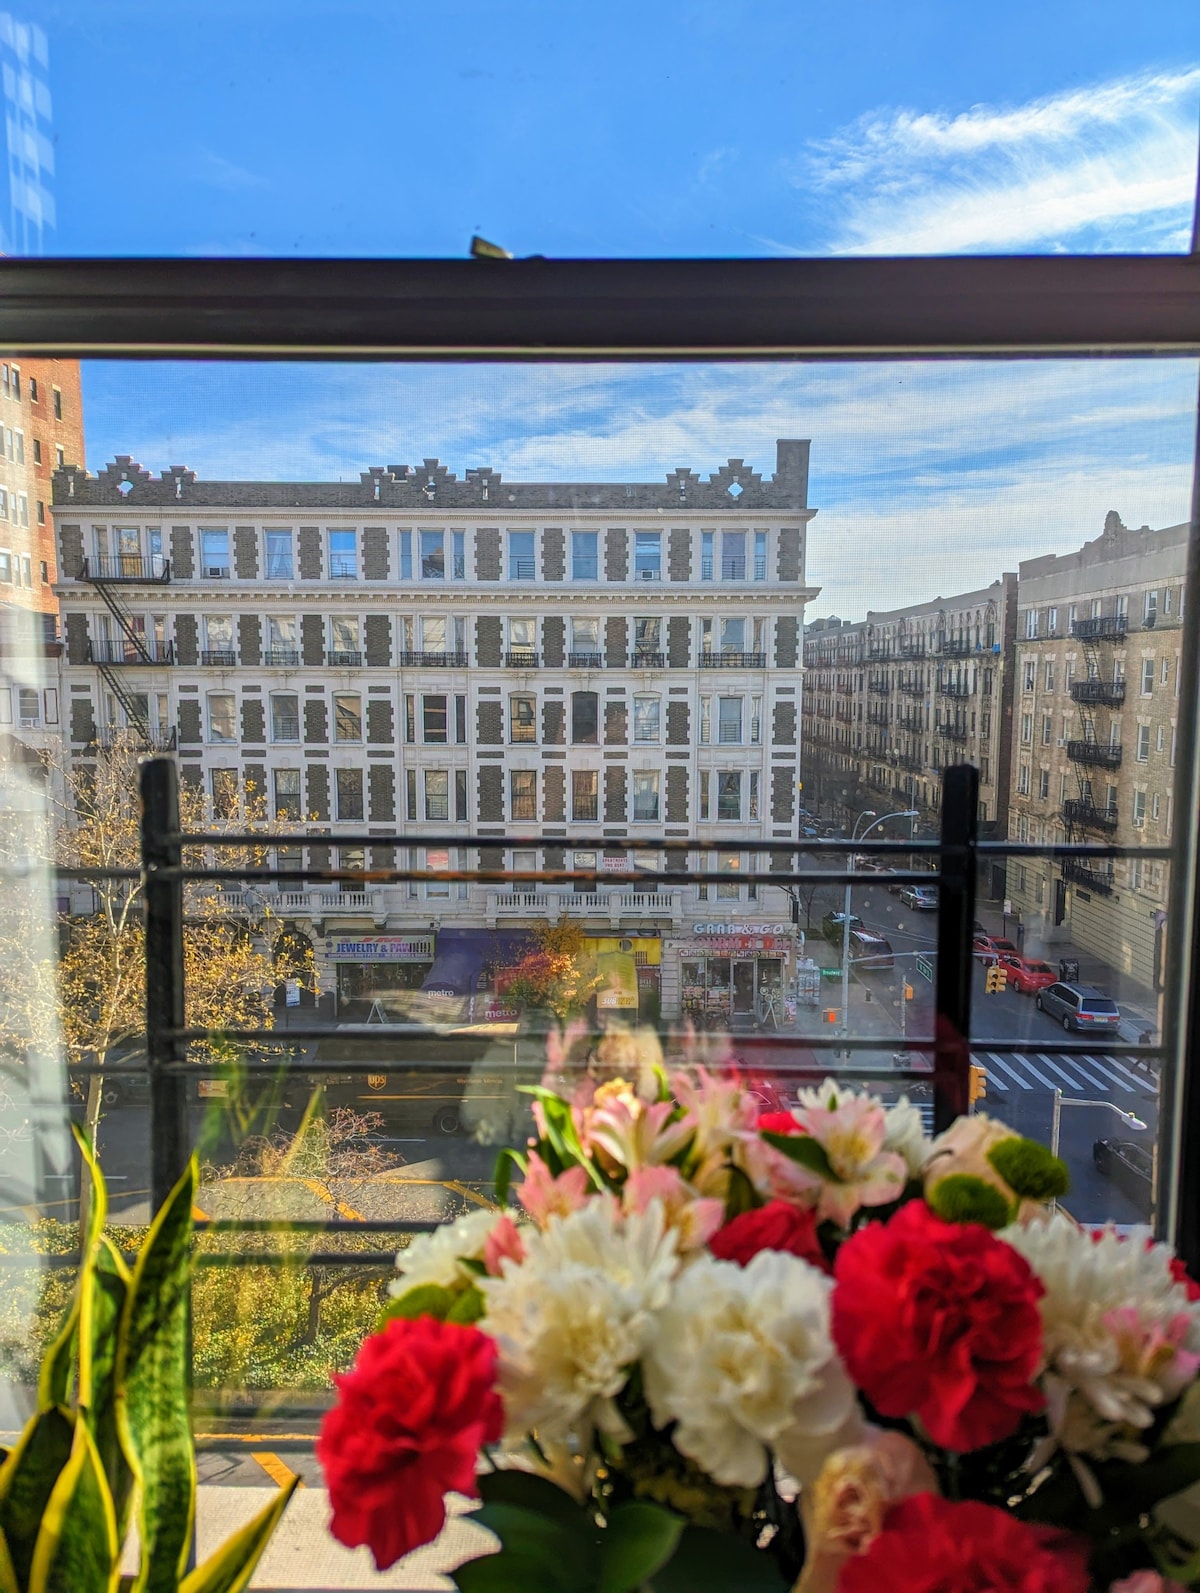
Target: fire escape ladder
(136, 719)
(124, 619)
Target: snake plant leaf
(77, 1548)
(110, 1289)
(27, 1480)
(152, 1399)
(86, 1288)
(232, 1566)
(54, 1381)
(8, 1575)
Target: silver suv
(1080, 1008)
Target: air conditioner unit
(1061, 742)
(30, 724)
(216, 572)
(649, 575)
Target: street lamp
(868, 813)
(1061, 1100)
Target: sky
(678, 128)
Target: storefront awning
(463, 955)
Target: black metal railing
(425, 660)
(590, 660)
(1100, 880)
(151, 567)
(954, 688)
(521, 658)
(1099, 754)
(126, 652)
(953, 732)
(281, 657)
(1090, 816)
(643, 658)
(218, 657)
(344, 658)
(1111, 692)
(1104, 628)
(733, 660)
(955, 647)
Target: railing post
(956, 922)
(169, 1149)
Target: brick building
(438, 656)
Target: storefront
(378, 972)
(461, 983)
(629, 969)
(736, 971)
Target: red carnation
(412, 1415)
(1180, 1274)
(776, 1226)
(778, 1123)
(929, 1544)
(940, 1321)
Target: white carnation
(438, 1257)
(906, 1135)
(574, 1316)
(743, 1362)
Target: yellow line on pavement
(275, 1469)
(348, 1212)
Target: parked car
(1129, 1165)
(990, 948)
(831, 925)
(1080, 1008)
(922, 898)
(1027, 974)
(870, 951)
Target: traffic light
(908, 992)
(997, 979)
(976, 1085)
(830, 1014)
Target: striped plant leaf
(111, 1280)
(232, 1566)
(152, 1397)
(54, 1382)
(77, 1548)
(27, 1480)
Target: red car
(991, 948)
(1027, 974)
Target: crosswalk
(1010, 1072)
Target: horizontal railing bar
(309, 1225)
(492, 842)
(382, 1259)
(625, 882)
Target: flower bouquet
(711, 1348)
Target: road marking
(1121, 1084)
(1040, 1077)
(1074, 1084)
(1012, 1073)
(991, 1077)
(275, 1469)
(446, 1183)
(1143, 1081)
(344, 1211)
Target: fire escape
(132, 648)
(1101, 690)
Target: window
(522, 639)
(1147, 676)
(1031, 625)
(733, 636)
(223, 784)
(58, 415)
(645, 718)
(214, 555)
(343, 556)
(406, 556)
(1049, 674)
(218, 641)
(522, 556)
(22, 514)
(1143, 744)
(1030, 674)
(287, 794)
(645, 796)
(753, 800)
(647, 639)
(1023, 780)
(1047, 729)
(37, 451)
(585, 644)
(347, 716)
(1165, 674)
(585, 717)
(344, 635)
(460, 720)
(647, 556)
(434, 726)
(41, 512)
(1160, 736)
(222, 707)
(349, 783)
(755, 720)
(733, 555)
(760, 555)
(60, 458)
(33, 390)
(461, 809)
(279, 555)
(729, 863)
(28, 710)
(1026, 729)
(585, 559)
(1043, 784)
(523, 794)
(6, 569)
(706, 555)
(729, 795)
(410, 793)
(1051, 622)
(410, 718)
(437, 794)
(522, 718)
(285, 717)
(1139, 810)
(433, 555)
(1155, 807)
(281, 640)
(729, 720)
(1122, 606)
(438, 861)
(458, 546)
(585, 797)
(1150, 608)
(702, 781)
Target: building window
(437, 861)
(347, 716)
(1143, 744)
(214, 555)
(434, 725)
(410, 718)
(218, 641)
(1051, 622)
(645, 718)
(406, 556)
(346, 651)
(753, 800)
(585, 796)
(522, 556)
(285, 717)
(1049, 674)
(729, 795)
(702, 782)
(1160, 737)
(1030, 674)
(645, 796)
(433, 556)
(1043, 784)
(1047, 729)
(343, 556)
(647, 640)
(1139, 810)
(585, 557)
(1023, 780)
(57, 391)
(1147, 676)
(647, 556)
(729, 720)
(287, 794)
(1026, 729)
(279, 555)
(733, 555)
(37, 451)
(33, 390)
(1155, 807)
(706, 555)
(522, 718)
(222, 725)
(1150, 608)
(523, 794)
(1031, 628)
(27, 706)
(410, 793)
(585, 717)
(760, 555)
(458, 546)
(522, 640)
(41, 512)
(461, 811)
(437, 794)
(460, 720)
(729, 863)
(349, 793)
(282, 651)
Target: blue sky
(686, 127)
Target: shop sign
(725, 945)
(380, 948)
(742, 929)
(618, 865)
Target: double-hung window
(282, 651)
(435, 719)
(214, 555)
(585, 718)
(433, 555)
(647, 641)
(647, 556)
(645, 796)
(585, 555)
(345, 652)
(523, 794)
(645, 718)
(729, 720)
(279, 555)
(222, 717)
(347, 716)
(585, 644)
(729, 795)
(522, 718)
(349, 783)
(585, 797)
(343, 556)
(285, 716)
(760, 555)
(522, 556)
(733, 555)
(224, 786)
(287, 794)
(437, 794)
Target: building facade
(571, 664)
(891, 700)
(1095, 711)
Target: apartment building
(892, 699)
(1095, 709)
(417, 653)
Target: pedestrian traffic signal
(830, 1014)
(997, 979)
(976, 1084)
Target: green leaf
(152, 1395)
(561, 1131)
(563, 1555)
(805, 1150)
(233, 1564)
(709, 1559)
(54, 1382)
(8, 1576)
(506, 1161)
(505, 1572)
(639, 1539)
(531, 1492)
(85, 1294)
(427, 1299)
(468, 1307)
(110, 1290)
(77, 1547)
(27, 1480)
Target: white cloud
(1108, 167)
